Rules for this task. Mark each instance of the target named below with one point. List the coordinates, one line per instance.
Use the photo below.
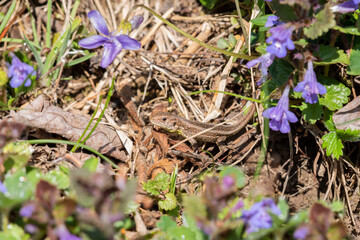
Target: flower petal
(111, 50)
(267, 112)
(300, 86)
(135, 21)
(291, 116)
(92, 41)
(128, 42)
(98, 22)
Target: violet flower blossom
(346, 7)
(27, 210)
(272, 20)
(310, 88)
(20, 72)
(258, 217)
(113, 42)
(63, 233)
(302, 232)
(264, 63)
(280, 40)
(2, 188)
(280, 116)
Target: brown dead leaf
(163, 165)
(348, 116)
(162, 139)
(40, 114)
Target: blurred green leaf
(236, 173)
(14, 232)
(325, 20)
(208, 3)
(348, 30)
(169, 203)
(58, 178)
(222, 44)
(91, 164)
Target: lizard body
(204, 132)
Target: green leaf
(19, 187)
(333, 145)
(160, 183)
(169, 203)
(14, 232)
(166, 224)
(336, 95)
(232, 40)
(348, 30)
(261, 49)
(181, 233)
(91, 164)
(58, 178)
(194, 207)
(236, 173)
(354, 66)
(325, 20)
(284, 12)
(330, 55)
(284, 208)
(208, 3)
(280, 72)
(349, 135)
(311, 112)
(19, 153)
(222, 44)
(260, 21)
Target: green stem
(111, 90)
(241, 22)
(74, 8)
(55, 141)
(228, 53)
(87, 127)
(48, 25)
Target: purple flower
(258, 217)
(302, 232)
(20, 72)
(345, 7)
(27, 210)
(272, 20)
(113, 42)
(63, 233)
(228, 182)
(2, 188)
(237, 206)
(280, 40)
(265, 61)
(310, 88)
(280, 115)
(31, 228)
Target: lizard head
(165, 120)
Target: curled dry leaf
(348, 116)
(40, 114)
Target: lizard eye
(163, 119)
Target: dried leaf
(40, 114)
(348, 116)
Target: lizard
(198, 131)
